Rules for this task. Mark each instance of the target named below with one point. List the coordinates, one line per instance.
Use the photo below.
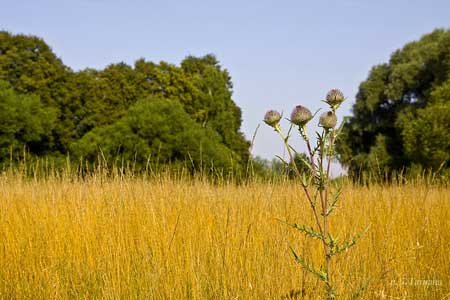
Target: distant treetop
(401, 118)
(79, 113)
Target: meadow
(177, 237)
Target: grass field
(166, 238)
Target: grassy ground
(165, 238)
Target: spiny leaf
(309, 266)
(305, 161)
(308, 231)
(332, 241)
(335, 200)
(306, 181)
(348, 244)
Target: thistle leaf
(348, 244)
(309, 266)
(307, 231)
(335, 200)
(305, 181)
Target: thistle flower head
(328, 120)
(334, 98)
(301, 115)
(272, 118)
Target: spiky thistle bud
(334, 98)
(328, 120)
(272, 118)
(301, 115)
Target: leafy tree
(156, 129)
(401, 114)
(219, 111)
(93, 107)
(24, 122)
(31, 67)
(104, 96)
(425, 132)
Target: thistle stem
(323, 231)
(330, 155)
(323, 151)
(304, 134)
(305, 188)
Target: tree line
(184, 114)
(143, 113)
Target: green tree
(156, 129)
(30, 66)
(24, 122)
(104, 96)
(425, 131)
(96, 105)
(401, 115)
(217, 107)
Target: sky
(279, 53)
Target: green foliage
(121, 111)
(156, 130)
(29, 65)
(401, 114)
(220, 112)
(301, 161)
(425, 132)
(24, 123)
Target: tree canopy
(401, 117)
(147, 110)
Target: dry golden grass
(165, 238)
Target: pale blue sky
(279, 53)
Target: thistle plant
(322, 194)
